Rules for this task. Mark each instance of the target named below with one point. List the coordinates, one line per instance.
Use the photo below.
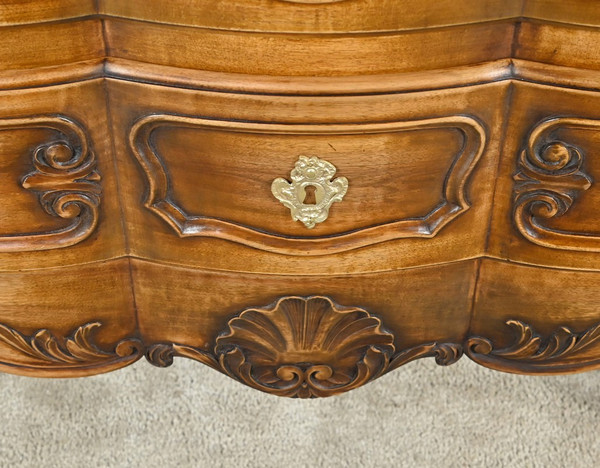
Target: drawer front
(200, 172)
(60, 203)
(210, 178)
(546, 207)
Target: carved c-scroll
(159, 199)
(304, 347)
(66, 181)
(44, 354)
(550, 179)
(563, 352)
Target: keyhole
(310, 197)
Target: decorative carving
(43, 352)
(66, 181)
(445, 354)
(162, 354)
(305, 347)
(159, 198)
(549, 180)
(530, 353)
(316, 173)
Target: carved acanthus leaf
(44, 351)
(530, 352)
(445, 354)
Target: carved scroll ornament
(453, 193)
(305, 347)
(562, 352)
(65, 180)
(550, 179)
(43, 353)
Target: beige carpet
(421, 415)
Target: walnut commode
(301, 194)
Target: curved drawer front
(211, 178)
(549, 182)
(60, 203)
(314, 16)
(205, 176)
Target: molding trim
(159, 199)
(300, 347)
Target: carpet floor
(187, 415)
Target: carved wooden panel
(238, 197)
(68, 303)
(535, 320)
(220, 178)
(550, 179)
(304, 347)
(546, 193)
(65, 180)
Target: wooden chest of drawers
(302, 194)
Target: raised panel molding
(550, 178)
(65, 180)
(160, 201)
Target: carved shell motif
(305, 347)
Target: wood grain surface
(24, 212)
(268, 158)
(138, 145)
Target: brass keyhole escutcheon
(312, 191)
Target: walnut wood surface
(139, 141)
(270, 156)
